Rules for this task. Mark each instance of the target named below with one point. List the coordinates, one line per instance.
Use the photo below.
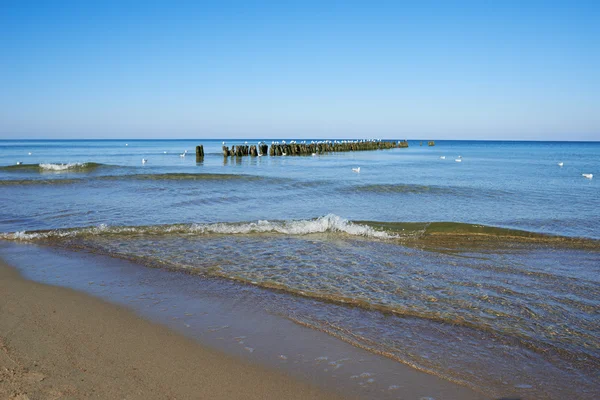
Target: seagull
(314, 154)
(459, 156)
(442, 157)
(284, 154)
(126, 144)
(589, 176)
(560, 164)
(29, 153)
(182, 155)
(144, 161)
(357, 170)
(458, 160)
(19, 162)
(165, 152)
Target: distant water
(485, 272)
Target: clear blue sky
(391, 69)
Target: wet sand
(59, 343)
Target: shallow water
(502, 294)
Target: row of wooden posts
(298, 149)
(246, 150)
(301, 149)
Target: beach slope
(59, 343)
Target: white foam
(61, 167)
(327, 223)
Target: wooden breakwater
(294, 148)
(328, 146)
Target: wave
(410, 189)
(399, 188)
(54, 167)
(429, 229)
(24, 182)
(421, 232)
(178, 176)
(328, 223)
(141, 177)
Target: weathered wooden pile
(199, 153)
(431, 143)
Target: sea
(474, 261)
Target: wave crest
(445, 234)
(53, 167)
(327, 223)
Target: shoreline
(56, 342)
(227, 319)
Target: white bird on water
(29, 153)
(442, 157)
(19, 162)
(560, 164)
(144, 161)
(458, 160)
(357, 170)
(588, 176)
(314, 154)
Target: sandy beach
(59, 343)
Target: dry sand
(56, 343)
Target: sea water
(484, 271)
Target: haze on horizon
(440, 70)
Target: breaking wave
(54, 167)
(328, 223)
(425, 232)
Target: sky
(526, 70)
